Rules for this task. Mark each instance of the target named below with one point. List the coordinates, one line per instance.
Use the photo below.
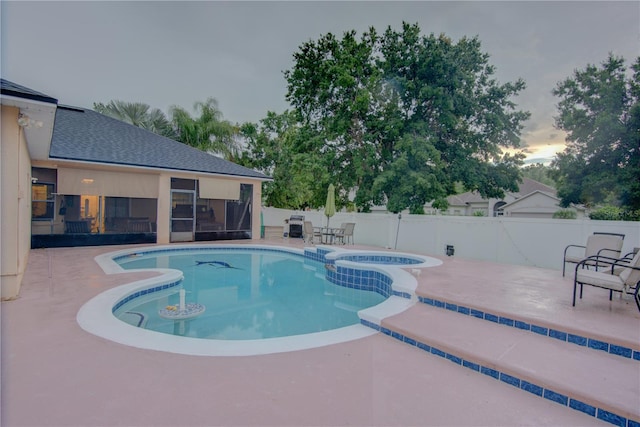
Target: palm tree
(138, 114)
(208, 132)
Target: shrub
(613, 213)
(565, 214)
(478, 213)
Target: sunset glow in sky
(176, 53)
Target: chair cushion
(630, 276)
(597, 242)
(600, 279)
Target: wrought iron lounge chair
(598, 244)
(621, 275)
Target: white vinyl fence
(521, 241)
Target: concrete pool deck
(55, 373)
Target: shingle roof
(85, 135)
(528, 186)
(13, 89)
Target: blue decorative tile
(633, 423)
(455, 359)
(582, 407)
(636, 355)
(409, 341)
(385, 330)
(577, 339)
(555, 397)
(396, 335)
(439, 304)
(428, 301)
(539, 330)
(531, 388)
(471, 365)
(620, 351)
(598, 345)
(491, 317)
(463, 310)
(510, 379)
(477, 313)
(424, 347)
(559, 335)
(490, 372)
(438, 352)
(611, 418)
(505, 321)
(451, 307)
(522, 325)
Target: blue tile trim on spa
(541, 330)
(144, 292)
(514, 381)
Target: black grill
(295, 225)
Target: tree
(599, 109)
(405, 116)
(538, 172)
(137, 114)
(281, 148)
(207, 131)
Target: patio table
(329, 235)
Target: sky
(178, 53)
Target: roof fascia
(156, 170)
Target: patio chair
(76, 227)
(598, 244)
(309, 232)
(345, 233)
(627, 280)
(139, 226)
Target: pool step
(600, 384)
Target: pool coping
(96, 315)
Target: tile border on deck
(555, 333)
(536, 389)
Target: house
(533, 200)
(71, 177)
(537, 204)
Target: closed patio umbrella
(330, 206)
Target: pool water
(246, 294)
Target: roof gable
(531, 196)
(13, 89)
(85, 135)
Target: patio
(54, 373)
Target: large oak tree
(401, 117)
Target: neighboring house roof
(85, 135)
(13, 89)
(541, 195)
(528, 186)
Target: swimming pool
(239, 294)
(390, 281)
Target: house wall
(536, 205)
(15, 203)
(519, 241)
(164, 203)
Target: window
(42, 201)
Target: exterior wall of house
(536, 205)
(15, 206)
(163, 211)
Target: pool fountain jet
(183, 311)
